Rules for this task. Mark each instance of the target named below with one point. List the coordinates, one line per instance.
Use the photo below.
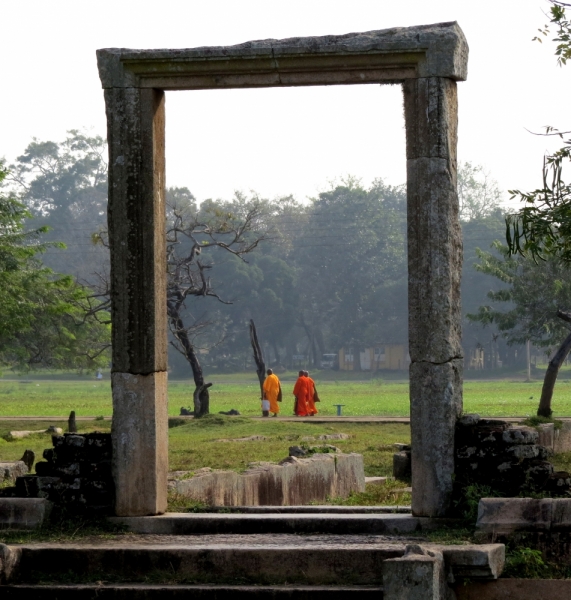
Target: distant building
(393, 357)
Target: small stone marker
(71, 424)
(28, 459)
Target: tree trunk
(553, 367)
(201, 397)
(201, 400)
(258, 357)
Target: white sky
(280, 141)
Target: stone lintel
(140, 443)
(389, 55)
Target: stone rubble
(506, 458)
(75, 475)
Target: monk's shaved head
(269, 372)
(300, 373)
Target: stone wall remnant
(505, 457)
(75, 475)
(294, 481)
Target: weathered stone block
(402, 465)
(521, 452)
(520, 435)
(9, 559)
(484, 561)
(558, 483)
(561, 514)
(504, 515)
(436, 403)
(418, 575)
(295, 481)
(562, 438)
(23, 513)
(546, 433)
(402, 447)
(140, 443)
(468, 420)
(12, 470)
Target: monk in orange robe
(312, 396)
(273, 392)
(301, 392)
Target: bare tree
(194, 238)
(258, 357)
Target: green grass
(57, 397)
(195, 444)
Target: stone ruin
(427, 61)
(292, 482)
(75, 475)
(501, 459)
(507, 459)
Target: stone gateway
(428, 61)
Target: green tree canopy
(542, 227)
(525, 307)
(45, 319)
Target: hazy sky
(292, 140)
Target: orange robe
(301, 393)
(272, 391)
(311, 408)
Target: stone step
(323, 561)
(311, 509)
(184, 592)
(300, 523)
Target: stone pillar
(434, 270)
(136, 219)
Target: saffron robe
(301, 393)
(312, 398)
(272, 391)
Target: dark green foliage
(536, 420)
(525, 563)
(542, 228)
(532, 294)
(466, 506)
(44, 320)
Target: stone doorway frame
(428, 61)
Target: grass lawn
(196, 443)
(57, 397)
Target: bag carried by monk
(280, 394)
